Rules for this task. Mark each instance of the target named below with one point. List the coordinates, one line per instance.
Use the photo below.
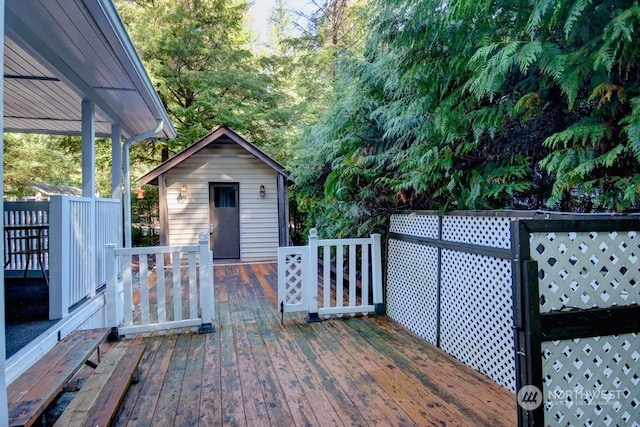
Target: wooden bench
(97, 402)
(30, 394)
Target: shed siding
(225, 163)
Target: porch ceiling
(60, 52)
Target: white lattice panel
(477, 314)
(480, 230)
(412, 287)
(415, 225)
(587, 270)
(592, 381)
(293, 261)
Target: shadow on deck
(350, 371)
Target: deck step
(30, 394)
(97, 402)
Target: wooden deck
(253, 371)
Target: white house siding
(233, 164)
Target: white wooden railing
(64, 239)
(180, 296)
(108, 230)
(18, 258)
(349, 281)
(78, 229)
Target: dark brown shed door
(224, 212)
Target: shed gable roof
(222, 134)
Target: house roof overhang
(221, 134)
(58, 53)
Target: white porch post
(89, 182)
(116, 162)
(88, 149)
(4, 407)
(116, 171)
(127, 178)
(112, 280)
(59, 264)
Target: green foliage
(197, 52)
(385, 105)
(30, 158)
(145, 217)
(631, 127)
(481, 104)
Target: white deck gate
(349, 282)
(176, 301)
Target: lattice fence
(479, 230)
(587, 269)
(450, 279)
(455, 297)
(593, 380)
(412, 282)
(477, 314)
(292, 261)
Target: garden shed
(227, 186)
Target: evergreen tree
(313, 46)
(197, 52)
(481, 104)
(51, 159)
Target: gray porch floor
(26, 311)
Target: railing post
(311, 284)
(112, 280)
(207, 302)
(376, 267)
(59, 258)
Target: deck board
(255, 371)
(142, 398)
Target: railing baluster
(177, 280)
(339, 275)
(352, 276)
(364, 268)
(127, 283)
(160, 289)
(326, 273)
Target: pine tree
(198, 54)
